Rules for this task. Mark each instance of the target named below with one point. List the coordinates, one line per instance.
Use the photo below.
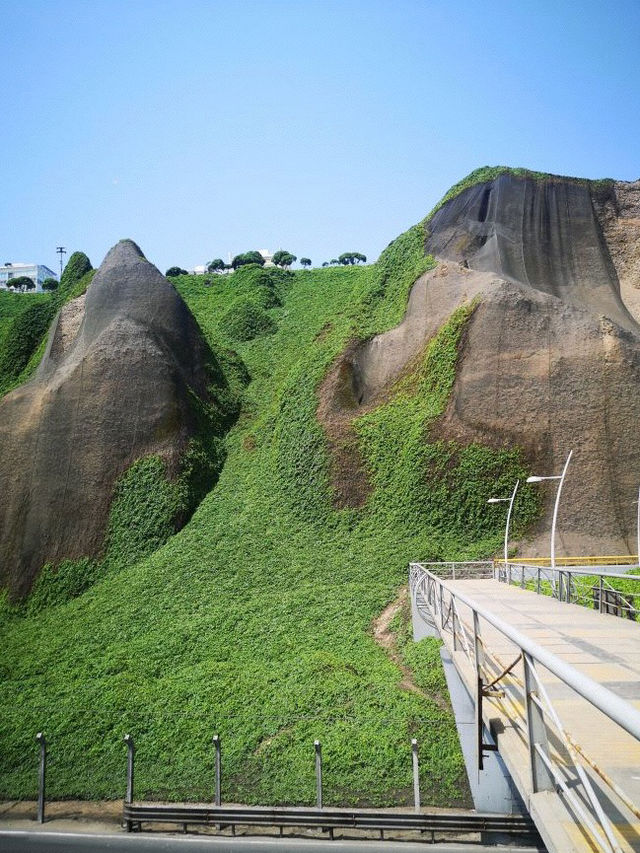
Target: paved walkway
(607, 649)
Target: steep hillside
(257, 620)
(384, 405)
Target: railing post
(538, 581)
(522, 576)
(416, 774)
(452, 612)
(218, 749)
(541, 778)
(318, 751)
(441, 606)
(477, 653)
(601, 590)
(42, 775)
(130, 753)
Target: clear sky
(206, 127)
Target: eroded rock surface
(551, 355)
(113, 386)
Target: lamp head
(535, 479)
(494, 500)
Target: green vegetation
(50, 284)
(174, 271)
(282, 258)
(350, 258)
(77, 267)
(490, 173)
(247, 258)
(216, 265)
(256, 620)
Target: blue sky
(202, 128)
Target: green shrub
(22, 339)
(247, 320)
(77, 267)
(56, 585)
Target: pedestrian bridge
(555, 688)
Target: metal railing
(556, 761)
(517, 826)
(462, 569)
(620, 560)
(599, 591)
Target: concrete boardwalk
(605, 648)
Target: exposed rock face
(113, 386)
(551, 357)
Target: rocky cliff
(122, 365)
(550, 360)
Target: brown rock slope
(551, 357)
(113, 386)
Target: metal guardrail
(583, 586)
(328, 819)
(462, 569)
(561, 770)
(620, 560)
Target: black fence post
(42, 775)
(318, 752)
(129, 795)
(416, 774)
(218, 748)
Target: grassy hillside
(256, 620)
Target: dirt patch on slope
(68, 325)
(387, 640)
(335, 412)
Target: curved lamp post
(555, 508)
(506, 530)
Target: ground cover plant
(257, 620)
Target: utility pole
(61, 251)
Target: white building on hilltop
(36, 272)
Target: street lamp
(506, 530)
(555, 508)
